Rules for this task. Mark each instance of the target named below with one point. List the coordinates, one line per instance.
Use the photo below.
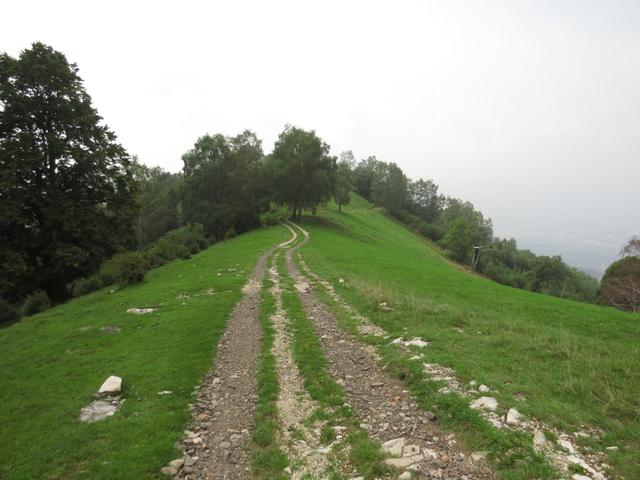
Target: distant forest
(77, 212)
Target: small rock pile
(107, 403)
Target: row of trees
(71, 197)
(458, 227)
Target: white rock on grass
(488, 403)
(483, 389)
(405, 476)
(513, 417)
(111, 386)
(577, 476)
(539, 439)
(567, 445)
(403, 462)
(394, 447)
(98, 410)
(416, 342)
(141, 311)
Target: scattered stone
(473, 383)
(567, 445)
(394, 447)
(165, 392)
(403, 462)
(513, 417)
(189, 461)
(177, 463)
(111, 385)
(410, 450)
(404, 476)
(383, 307)
(302, 287)
(169, 471)
(341, 280)
(98, 410)
(431, 416)
(612, 449)
(539, 439)
(488, 403)
(377, 384)
(288, 470)
(577, 476)
(141, 311)
(110, 329)
(483, 389)
(416, 342)
(478, 456)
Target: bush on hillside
(82, 286)
(274, 216)
(179, 243)
(35, 303)
(125, 268)
(620, 285)
(8, 313)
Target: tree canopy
(301, 169)
(66, 189)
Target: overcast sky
(528, 109)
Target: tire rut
(294, 405)
(385, 408)
(216, 446)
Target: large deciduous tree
(222, 186)
(620, 285)
(302, 170)
(67, 198)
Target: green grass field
(575, 363)
(52, 363)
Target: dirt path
(217, 444)
(298, 439)
(384, 407)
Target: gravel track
(381, 403)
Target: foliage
(460, 239)
(301, 170)
(8, 313)
(180, 243)
(343, 184)
(222, 185)
(125, 268)
(159, 199)
(620, 285)
(83, 286)
(66, 186)
(632, 248)
(35, 302)
(274, 216)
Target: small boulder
(111, 386)
(169, 471)
(539, 439)
(416, 342)
(98, 410)
(513, 417)
(394, 447)
(488, 403)
(483, 389)
(404, 476)
(383, 307)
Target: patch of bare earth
(299, 440)
(385, 409)
(216, 446)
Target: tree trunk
(340, 207)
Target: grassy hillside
(574, 363)
(52, 363)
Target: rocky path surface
(409, 434)
(216, 446)
(298, 439)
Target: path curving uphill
(216, 446)
(392, 416)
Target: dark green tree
(66, 189)
(343, 182)
(302, 170)
(159, 202)
(222, 184)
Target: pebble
(513, 417)
(483, 389)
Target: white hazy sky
(529, 109)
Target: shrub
(125, 268)
(231, 233)
(179, 243)
(8, 313)
(35, 303)
(274, 216)
(82, 286)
